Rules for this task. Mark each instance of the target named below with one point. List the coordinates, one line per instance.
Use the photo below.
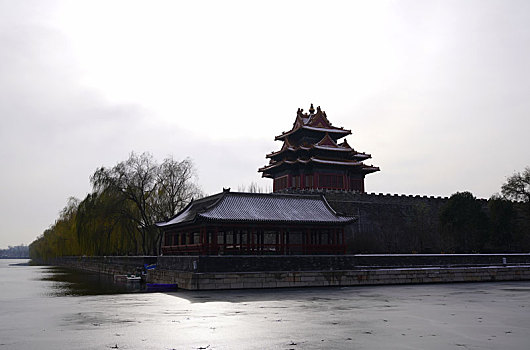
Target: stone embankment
(358, 277)
(240, 272)
(236, 272)
(109, 265)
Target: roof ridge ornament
(300, 112)
(312, 109)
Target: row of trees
(462, 224)
(499, 225)
(119, 216)
(502, 225)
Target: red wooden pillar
(362, 185)
(201, 240)
(252, 241)
(214, 240)
(307, 241)
(343, 242)
(256, 243)
(285, 239)
(262, 239)
(282, 242)
(205, 243)
(260, 242)
(249, 233)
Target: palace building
(230, 223)
(311, 157)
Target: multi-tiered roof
(312, 157)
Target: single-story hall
(231, 223)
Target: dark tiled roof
(189, 213)
(256, 208)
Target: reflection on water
(68, 282)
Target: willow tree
(60, 238)
(103, 225)
(153, 192)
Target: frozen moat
(48, 308)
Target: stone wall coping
(360, 269)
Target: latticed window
(296, 181)
(168, 239)
(331, 181)
(309, 181)
(280, 183)
(356, 185)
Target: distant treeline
(503, 225)
(461, 224)
(19, 251)
(470, 226)
(119, 216)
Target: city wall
(388, 223)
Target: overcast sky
(437, 91)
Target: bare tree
(253, 188)
(175, 187)
(517, 186)
(156, 191)
(136, 179)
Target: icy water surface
(50, 308)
